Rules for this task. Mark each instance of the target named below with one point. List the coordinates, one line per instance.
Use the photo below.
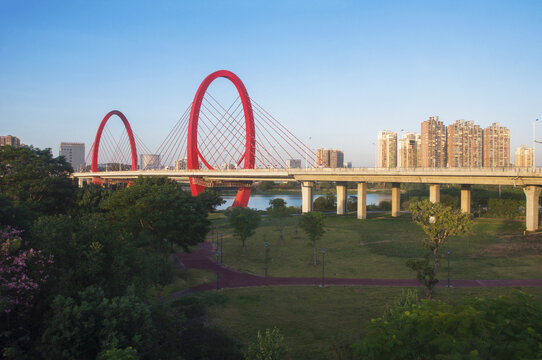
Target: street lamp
(323, 266)
(448, 252)
(266, 244)
(221, 252)
(217, 274)
(534, 143)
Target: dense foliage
(313, 225)
(504, 328)
(244, 222)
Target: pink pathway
(203, 258)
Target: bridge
(244, 143)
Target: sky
(335, 71)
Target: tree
(313, 225)
(33, 179)
(244, 222)
(438, 222)
(268, 346)
(210, 199)
(278, 212)
(160, 212)
(502, 329)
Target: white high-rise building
(149, 162)
(387, 149)
(523, 157)
(409, 150)
(74, 153)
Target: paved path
(204, 259)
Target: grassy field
(379, 247)
(317, 323)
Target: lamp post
(217, 274)
(221, 252)
(323, 267)
(534, 143)
(266, 244)
(448, 252)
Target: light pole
(266, 244)
(323, 267)
(448, 252)
(376, 155)
(306, 148)
(534, 143)
(217, 274)
(221, 252)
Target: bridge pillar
(362, 200)
(532, 193)
(306, 196)
(434, 193)
(341, 198)
(395, 199)
(80, 182)
(465, 198)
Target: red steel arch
(193, 154)
(94, 163)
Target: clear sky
(337, 71)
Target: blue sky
(338, 71)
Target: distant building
(387, 149)
(523, 157)
(74, 153)
(496, 146)
(433, 143)
(329, 158)
(181, 164)
(149, 162)
(293, 163)
(464, 145)
(409, 150)
(10, 140)
(348, 165)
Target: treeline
(78, 265)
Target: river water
(261, 202)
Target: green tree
(160, 212)
(438, 222)
(244, 222)
(313, 225)
(278, 212)
(268, 346)
(502, 329)
(90, 324)
(36, 181)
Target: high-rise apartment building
(10, 140)
(433, 143)
(149, 162)
(329, 158)
(496, 146)
(409, 150)
(523, 157)
(293, 163)
(387, 149)
(464, 145)
(74, 153)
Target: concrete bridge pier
(341, 198)
(434, 193)
(532, 194)
(306, 196)
(465, 199)
(395, 199)
(362, 200)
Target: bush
(505, 208)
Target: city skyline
(65, 65)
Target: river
(261, 202)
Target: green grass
(316, 323)
(379, 247)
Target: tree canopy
(244, 222)
(313, 225)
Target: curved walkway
(203, 258)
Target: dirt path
(203, 258)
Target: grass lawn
(317, 323)
(379, 246)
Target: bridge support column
(465, 199)
(341, 198)
(532, 193)
(80, 182)
(434, 193)
(395, 199)
(362, 200)
(306, 196)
